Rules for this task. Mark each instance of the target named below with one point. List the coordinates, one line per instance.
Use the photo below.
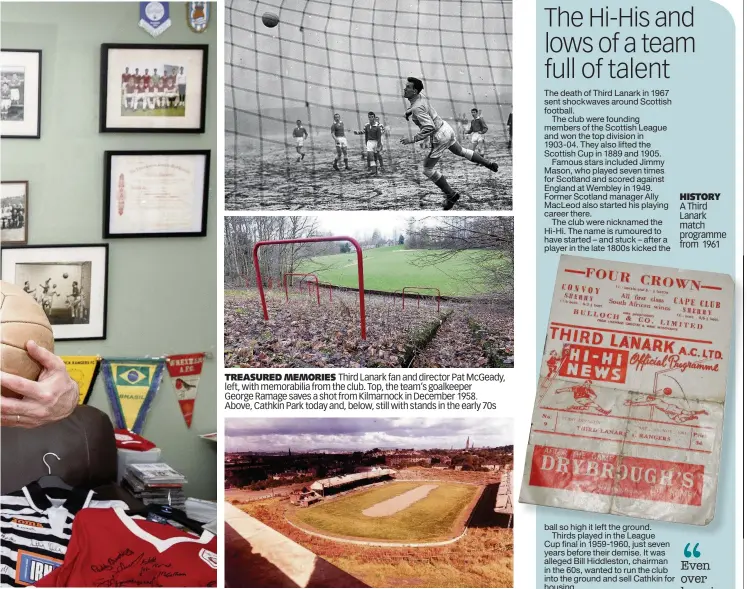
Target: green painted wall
(162, 293)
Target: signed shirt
(111, 549)
(36, 530)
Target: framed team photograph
(156, 193)
(14, 207)
(20, 93)
(153, 88)
(68, 281)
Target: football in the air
(21, 319)
(64, 275)
(270, 20)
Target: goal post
(353, 242)
(303, 275)
(419, 288)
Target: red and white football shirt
(110, 549)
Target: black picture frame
(13, 240)
(88, 320)
(110, 196)
(160, 123)
(35, 133)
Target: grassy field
(430, 519)
(391, 268)
(156, 112)
(482, 558)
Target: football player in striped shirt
(341, 142)
(372, 133)
(442, 137)
(300, 135)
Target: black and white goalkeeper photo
(68, 281)
(63, 290)
(368, 106)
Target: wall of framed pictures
(83, 187)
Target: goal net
(350, 57)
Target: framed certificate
(153, 88)
(156, 193)
(20, 93)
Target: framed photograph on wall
(68, 281)
(14, 207)
(20, 93)
(156, 193)
(153, 88)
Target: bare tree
(241, 233)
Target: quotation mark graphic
(694, 552)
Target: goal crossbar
(359, 253)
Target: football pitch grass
(391, 268)
(156, 112)
(434, 518)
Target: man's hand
(52, 398)
(406, 141)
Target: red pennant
(185, 370)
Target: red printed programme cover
(630, 400)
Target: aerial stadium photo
(362, 502)
(368, 105)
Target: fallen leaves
(300, 333)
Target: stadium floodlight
(305, 275)
(418, 288)
(359, 253)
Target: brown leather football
(21, 319)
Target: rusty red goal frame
(359, 252)
(304, 274)
(329, 285)
(438, 295)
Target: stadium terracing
(334, 485)
(504, 501)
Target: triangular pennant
(131, 384)
(83, 370)
(154, 17)
(185, 370)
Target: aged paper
(156, 194)
(630, 401)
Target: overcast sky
(351, 434)
(359, 224)
(353, 56)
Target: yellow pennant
(83, 370)
(132, 384)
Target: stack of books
(155, 483)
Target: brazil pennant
(185, 370)
(131, 384)
(83, 370)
